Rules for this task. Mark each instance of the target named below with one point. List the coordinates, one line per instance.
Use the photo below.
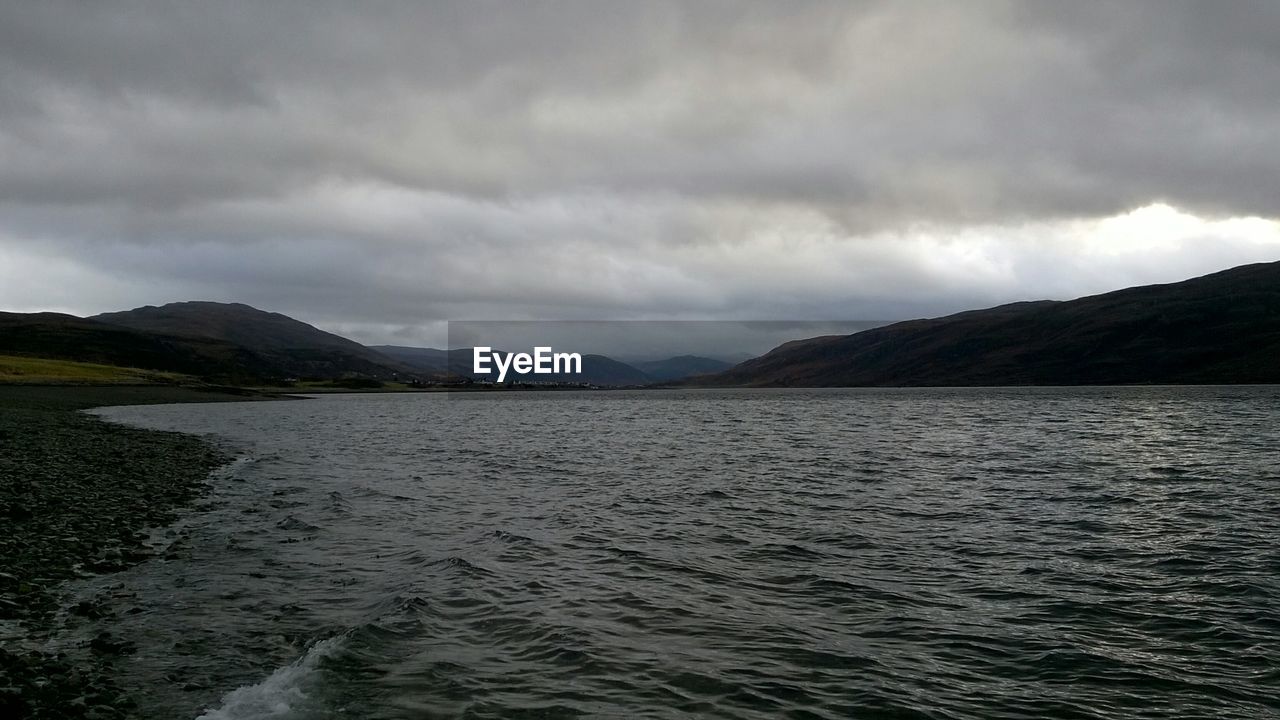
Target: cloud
(381, 168)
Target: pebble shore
(77, 495)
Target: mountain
(1220, 328)
(286, 346)
(602, 370)
(680, 367)
(235, 323)
(66, 337)
(596, 369)
(225, 342)
(432, 360)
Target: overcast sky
(375, 168)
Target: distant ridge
(233, 322)
(432, 360)
(1219, 328)
(681, 366)
(288, 346)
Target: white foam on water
(280, 696)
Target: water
(1070, 553)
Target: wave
(283, 694)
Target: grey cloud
(393, 163)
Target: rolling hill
(226, 343)
(66, 337)
(288, 347)
(1219, 328)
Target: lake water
(1009, 553)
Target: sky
(380, 168)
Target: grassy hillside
(28, 370)
(231, 344)
(66, 337)
(1220, 328)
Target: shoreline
(77, 496)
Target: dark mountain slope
(67, 337)
(233, 322)
(1220, 328)
(288, 346)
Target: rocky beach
(78, 496)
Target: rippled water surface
(1023, 553)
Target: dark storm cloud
(381, 165)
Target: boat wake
(286, 693)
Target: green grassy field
(15, 369)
